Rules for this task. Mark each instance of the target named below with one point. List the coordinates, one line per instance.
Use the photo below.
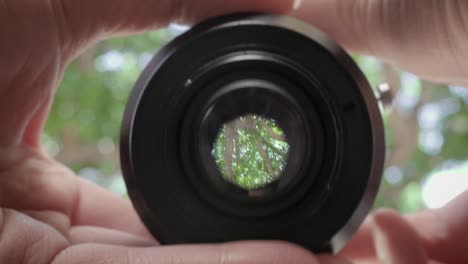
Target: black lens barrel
(253, 64)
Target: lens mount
(270, 66)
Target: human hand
(48, 215)
(53, 216)
(426, 37)
(431, 236)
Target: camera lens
(251, 134)
(251, 151)
(252, 127)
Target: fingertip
(99, 207)
(361, 246)
(395, 239)
(386, 223)
(384, 217)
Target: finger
(396, 241)
(123, 16)
(425, 37)
(232, 253)
(441, 231)
(98, 235)
(444, 231)
(101, 208)
(329, 259)
(67, 26)
(64, 198)
(26, 240)
(25, 67)
(361, 246)
(57, 220)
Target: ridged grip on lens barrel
(161, 162)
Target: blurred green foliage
(427, 129)
(251, 151)
(90, 102)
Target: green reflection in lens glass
(251, 151)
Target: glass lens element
(251, 151)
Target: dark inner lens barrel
(253, 139)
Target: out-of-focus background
(427, 131)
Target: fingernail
(297, 4)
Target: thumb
(231, 253)
(427, 37)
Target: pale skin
(49, 215)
